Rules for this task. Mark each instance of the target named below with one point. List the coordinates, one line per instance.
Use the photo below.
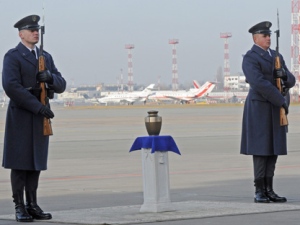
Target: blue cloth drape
(156, 143)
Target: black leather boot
(33, 209)
(21, 212)
(260, 196)
(270, 193)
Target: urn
(153, 122)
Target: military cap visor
(261, 28)
(28, 23)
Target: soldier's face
(29, 37)
(262, 40)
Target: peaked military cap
(28, 23)
(261, 28)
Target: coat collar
(263, 53)
(27, 54)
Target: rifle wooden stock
(283, 116)
(47, 128)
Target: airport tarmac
(93, 179)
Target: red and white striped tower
(295, 44)
(174, 42)
(226, 53)
(130, 68)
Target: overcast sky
(87, 37)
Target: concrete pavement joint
(183, 210)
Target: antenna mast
(226, 58)
(174, 42)
(130, 67)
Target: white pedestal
(156, 182)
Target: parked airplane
(228, 96)
(129, 97)
(184, 96)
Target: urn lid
(152, 113)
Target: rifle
(279, 82)
(47, 128)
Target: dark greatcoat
(25, 146)
(261, 130)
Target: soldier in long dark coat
(25, 146)
(262, 135)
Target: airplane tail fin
(196, 84)
(149, 88)
(205, 89)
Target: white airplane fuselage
(128, 97)
(183, 96)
